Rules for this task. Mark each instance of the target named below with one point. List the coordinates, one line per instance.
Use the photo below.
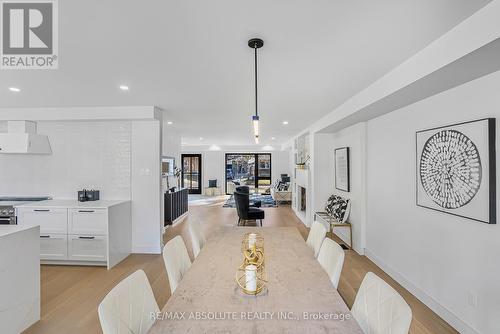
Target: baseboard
(146, 249)
(345, 238)
(180, 219)
(434, 305)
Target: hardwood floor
(71, 294)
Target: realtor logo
(29, 34)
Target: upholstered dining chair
(197, 237)
(316, 236)
(245, 211)
(331, 258)
(379, 309)
(127, 308)
(177, 261)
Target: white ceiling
(191, 58)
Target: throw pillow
(336, 207)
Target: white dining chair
(197, 237)
(127, 308)
(316, 236)
(379, 309)
(331, 258)
(177, 261)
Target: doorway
(191, 173)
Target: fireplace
(303, 198)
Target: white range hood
(21, 138)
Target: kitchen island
(80, 233)
(19, 278)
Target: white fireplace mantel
(302, 179)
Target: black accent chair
(245, 211)
(246, 190)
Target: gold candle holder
(252, 240)
(251, 279)
(251, 274)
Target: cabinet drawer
(87, 248)
(51, 221)
(88, 221)
(53, 246)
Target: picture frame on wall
(342, 175)
(167, 166)
(456, 169)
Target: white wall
(84, 155)
(147, 195)
(323, 176)
(171, 142)
(120, 158)
(443, 259)
(213, 162)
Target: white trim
(135, 113)
(75, 263)
(434, 305)
(139, 249)
(180, 219)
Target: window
(250, 169)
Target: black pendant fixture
(256, 43)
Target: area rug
(266, 200)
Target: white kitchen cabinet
(51, 220)
(53, 246)
(19, 277)
(87, 248)
(88, 233)
(88, 221)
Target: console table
(176, 205)
(334, 223)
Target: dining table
(298, 296)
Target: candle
(252, 239)
(251, 278)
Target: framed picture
(456, 170)
(167, 166)
(342, 169)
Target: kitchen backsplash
(85, 155)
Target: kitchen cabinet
(88, 221)
(81, 233)
(51, 220)
(87, 248)
(53, 246)
(19, 277)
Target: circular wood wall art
(450, 169)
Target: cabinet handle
(41, 210)
(86, 211)
(45, 236)
(89, 238)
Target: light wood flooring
(71, 294)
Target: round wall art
(450, 169)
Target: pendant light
(256, 43)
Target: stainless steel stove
(7, 211)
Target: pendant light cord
(255, 48)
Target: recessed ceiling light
(201, 138)
(124, 87)
(14, 89)
(273, 138)
(285, 122)
(170, 122)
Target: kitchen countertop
(11, 229)
(72, 204)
